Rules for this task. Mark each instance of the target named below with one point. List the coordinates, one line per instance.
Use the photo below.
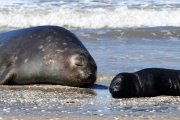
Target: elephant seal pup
(45, 55)
(146, 83)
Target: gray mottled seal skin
(45, 55)
(146, 83)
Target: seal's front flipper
(7, 76)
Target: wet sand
(63, 102)
(105, 117)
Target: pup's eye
(117, 83)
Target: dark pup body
(45, 55)
(146, 83)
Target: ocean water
(121, 35)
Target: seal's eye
(79, 63)
(78, 60)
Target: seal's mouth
(116, 92)
(87, 78)
(116, 95)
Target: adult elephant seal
(45, 55)
(146, 83)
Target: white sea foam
(90, 14)
(90, 18)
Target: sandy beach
(54, 102)
(109, 117)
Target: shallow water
(128, 50)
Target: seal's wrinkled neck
(134, 83)
(138, 84)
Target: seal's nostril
(91, 75)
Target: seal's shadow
(99, 87)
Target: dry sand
(82, 117)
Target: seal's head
(82, 69)
(76, 69)
(122, 85)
